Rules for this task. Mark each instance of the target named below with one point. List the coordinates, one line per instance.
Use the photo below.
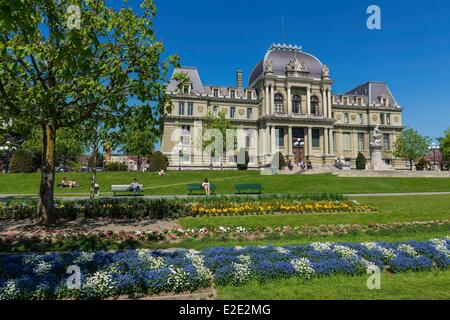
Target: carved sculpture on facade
(269, 66)
(296, 64)
(325, 71)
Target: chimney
(239, 79)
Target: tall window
(361, 118)
(346, 119)
(185, 135)
(334, 140)
(215, 111)
(232, 94)
(181, 108)
(386, 141)
(216, 92)
(249, 113)
(382, 118)
(190, 108)
(249, 95)
(314, 105)
(388, 118)
(296, 103)
(232, 112)
(347, 141)
(315, 138)
(280, 140)
(248, 138)
(361, 144)
(279, 103)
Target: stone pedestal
(376, 160)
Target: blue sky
(411, 52)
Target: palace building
(288, 106)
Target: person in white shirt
(206, 185)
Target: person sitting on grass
(206, 186)
(72, 184)
(134, 186)
(161, 173)
(64, 183)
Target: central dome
(281, 56)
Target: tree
(281, 161)
(222, 124)
(55, 73)
(158, 161)
(360, 162)
(445, 146)
(411, 146)
(21, 162)
(244, 153)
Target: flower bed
(46, 241)
(139, 208)
(108, 274)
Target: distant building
(130, 161)
(289, 102)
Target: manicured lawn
(175, 183)
(391, 209)
(414, 286)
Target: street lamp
(299, 144)
(6, 152)
(180, 154)
(433, 148)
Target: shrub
(158, 161)
(116, 166)
(423, 164)
(244, 166)
(360, 162)
(22, 161)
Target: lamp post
(299, 144)
(180, 154)
(433, 148)
(6, 151)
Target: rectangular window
(216, 93)
(361, 142)
(382, 118)
(185, 135)
(249, 95)
(347, 141)
(249, 113)
(346, 118)
(190, 109)
(248, 138)
(215, 111)
(386, 141)
(232, 94)
(334, 140)
(181, 108)
(232, 112)
(315, 138)
(361, 118)
(280, 140)
(388, 118)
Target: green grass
(407, 286)
(391, 209)
(175, 183)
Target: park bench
(249, 188)
(198, 187)
(125, 188)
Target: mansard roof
(374, 91)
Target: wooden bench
(125, 188)
(198, 187)
(248, 188)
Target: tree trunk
(94, 170)
(45, 207)
(139, 163)
(411, 165)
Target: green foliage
(243, 166)
(158, 161)
(423, 164)
(22, 161)
(116, 166)
(182, 80)
(221, 124)
(411, 146)
(445, 146)
(360, 162)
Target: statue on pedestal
(269, 66)
(376, 137)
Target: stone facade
(288, 106)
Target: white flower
(199, 264)
(346, 252)
(242, 269)
(42, 267)
(321, 246)
(100, 284)
(10, 291)
(303, 267)
(408, 249)
(282, 250)
(441, 246)
(84, 257)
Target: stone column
(266, 98)
(308, 102)
(289, 100)
(326, 148)
(272, 99)
(329, 103)
(330, 132)
(273, 147)
(267, 142)
(324, 104)
(309, 148)
(290, 140)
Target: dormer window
(249, 95)
(345, 100)
(232, 94)
(216, 93)
(359, 101)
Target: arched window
(279, 103)
(296, 102)
(314, 105)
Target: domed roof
(281, 56)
